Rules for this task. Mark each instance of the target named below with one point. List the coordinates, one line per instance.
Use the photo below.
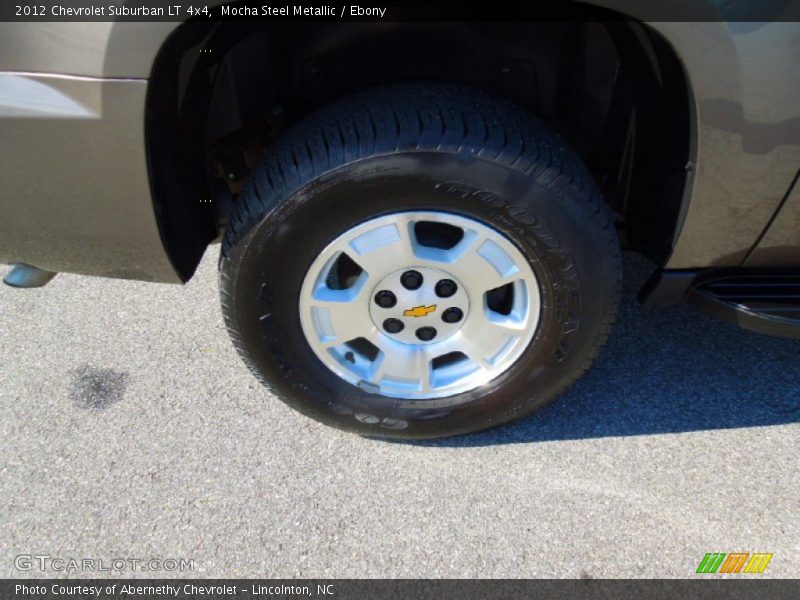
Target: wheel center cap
(419, 305)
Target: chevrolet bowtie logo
(419, 311)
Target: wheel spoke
(484, 265)
(383, 248)
(400, 368)
(339, 315)
(487, 341)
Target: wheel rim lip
(482, 376)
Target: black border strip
(395, 11)
(742, 588)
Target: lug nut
(426, 334)
(385, 299)
(446, 288)
(393, 325)
(411, 280)
(452, 315)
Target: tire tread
(430, 118)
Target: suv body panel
(75, 194)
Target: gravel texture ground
(130, 428)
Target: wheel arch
(188, 87)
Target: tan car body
(75, 193)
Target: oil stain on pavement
(97, 389)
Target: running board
(765, 303)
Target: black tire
(419, 147)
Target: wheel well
(222, 93)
